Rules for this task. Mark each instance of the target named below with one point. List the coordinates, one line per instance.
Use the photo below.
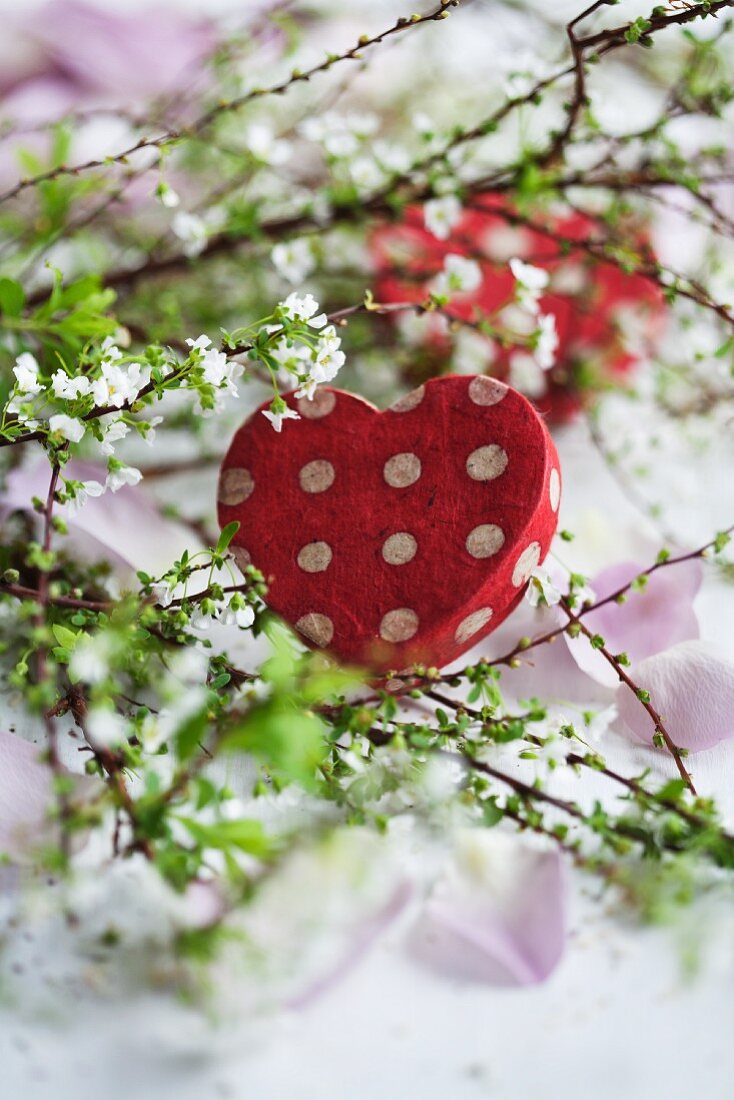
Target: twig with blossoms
(200, 125)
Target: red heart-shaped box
(399, 537)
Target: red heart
(587, 296)
(398, 537)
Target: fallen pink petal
(497, 915)
(27, 797)
(650, 619)
(125, 528)
(692, 688)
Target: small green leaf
(228, 533)
(246, 834)
(12, 297)
(65, 637)
(492, 814)
(289, 741)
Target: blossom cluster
(296, 343)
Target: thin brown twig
(196, 128)
(637, 691)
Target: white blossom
(366, 173)
(26, 374)
(391, 156)
(214, 365)
(441, 215)
(542, 590)
(460, 275)
(424, 125)
(339, 134)
(202, 619)
(217, 369)
(67, 427)
(531, 282)
(166, 195)
(105, 728)
(190, 229)
(362, 123)
(473, 352)
(308, 387)
(263, 144)
(598, 725)
(89, 660)
(297, 308)
(289, 354)
(163, 591)
(114, 430)
(526, 376)
(69, 388)
(150, 432)
(329, 362)
(120, 386)
(547, 341)
(237, 616)
(88, 489)
(123, 475)
(277, 418)
(159, 728)
(110, 351)
(200, 343)
(293, 260)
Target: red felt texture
(400, 537)
(587, 296)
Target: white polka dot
(402, 470)
(487, 391)
(486, 463)
(410, 401)
(525, 564)
(321, 404)
(399, 548)
(317, 476)
(319, 629)
(472, 624)
(485, 540)
(554, 489)
(235, 485)
(314, 557)
(399, 625)
(241, 556)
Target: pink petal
(649, 621)
(120, 54)
(25, 795)
(692, 688)
(124, 528)
(497, 915)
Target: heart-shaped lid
(400, 537)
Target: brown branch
(592, 763)
(22, 592)
(614, 37)
(644, 702)
(54, 759)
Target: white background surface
(621, 1016)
